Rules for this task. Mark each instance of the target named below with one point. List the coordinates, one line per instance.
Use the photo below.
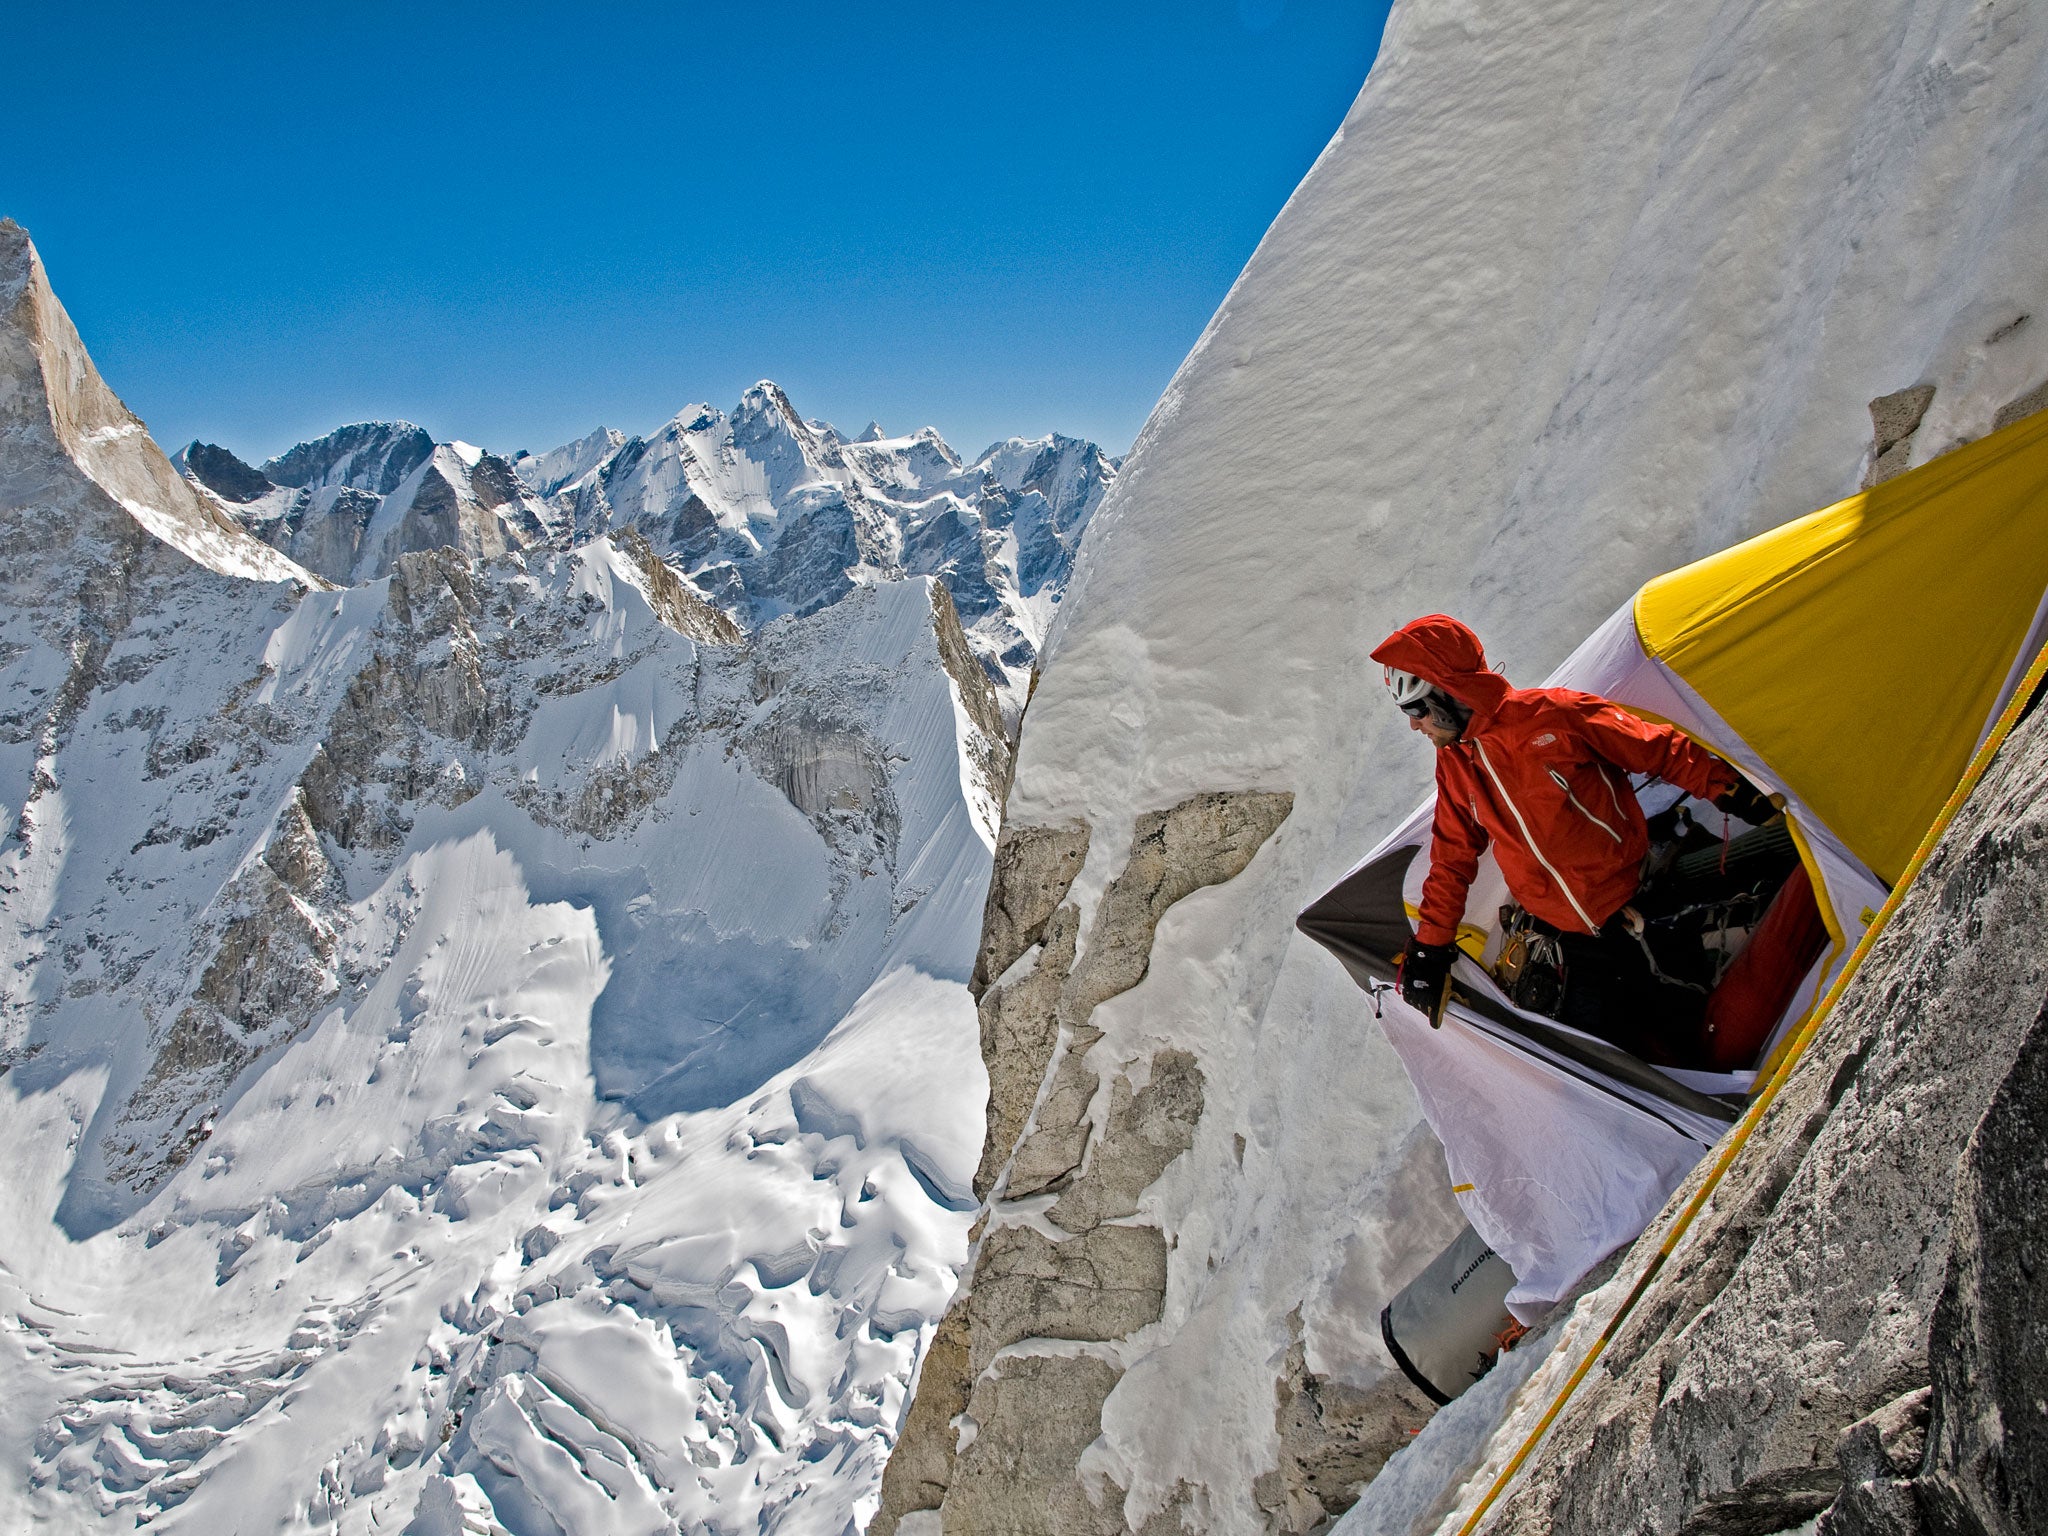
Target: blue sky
(512, 222)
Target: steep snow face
(485, 1048)
(549, 472)
(1578, 292)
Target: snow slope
(1577, 293)
(486, 1048)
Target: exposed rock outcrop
(1986, 1465)
(1035, 866)
(679, 604)
(218, 470)
(977, 696)
(2023, 406)
(1333, 1438)
(1894, 418)
(1030, 1343)
(270, 969)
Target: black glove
(1747, 803)
(1425, 975)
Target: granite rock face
(1871, 1262)
(1986, 1468)
(374, 456)
(1066, 1265)
(1034, 868)
(1333, 1438)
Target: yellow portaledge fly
(1738, 1138)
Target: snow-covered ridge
(762, 512)
(487, 1047)
(769, 514)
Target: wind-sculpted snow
(484, 1049)
(419, 1262)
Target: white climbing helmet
(1410, 692)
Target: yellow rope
(1738, 1138)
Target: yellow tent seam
(1738, 1138)
(1820, 885)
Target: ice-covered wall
(1577, 293)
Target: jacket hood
(1440, 650)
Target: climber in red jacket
(1540, 774)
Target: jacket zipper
(1529, 838)
(1561, 784)
(1613, 794)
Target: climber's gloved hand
(1747, 803)
(1424, 976)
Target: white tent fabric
(1556, 1166)
(1552, 1174)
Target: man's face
(1439, 735)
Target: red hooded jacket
(1542, 774)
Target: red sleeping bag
(1759, 984)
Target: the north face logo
(1548, 738)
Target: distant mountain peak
(222, 473)
(767, 511)
(82, 438)
(373, 456)
(766, 395)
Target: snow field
(414, 1264)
